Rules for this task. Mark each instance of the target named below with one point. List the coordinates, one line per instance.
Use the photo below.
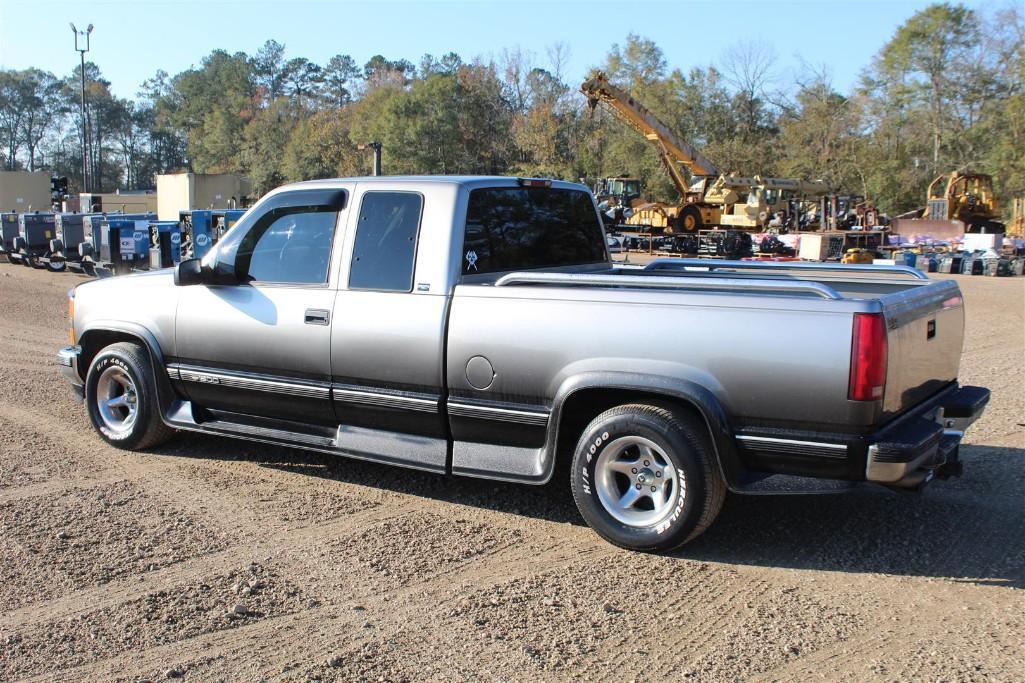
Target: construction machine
(672, 152)
(776, 202)
(617, 190)
(708, 198)
(615, 196)
(1016, 226)
(967, 197)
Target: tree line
(946, 92)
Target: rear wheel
(644, 477)
(122, 400)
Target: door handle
(316, 316)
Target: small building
(187, 191)
(125, 202)
(24, 191)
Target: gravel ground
(211, 559)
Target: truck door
(387, 338)
(259, 345)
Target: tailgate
(925, 330)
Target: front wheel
(690, 219)
(644, 477)
(122, 399)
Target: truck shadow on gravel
(970, 529)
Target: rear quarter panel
(782, 361)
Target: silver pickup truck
(476, 326)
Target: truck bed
(778, 323)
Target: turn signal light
(868, 358)
(71, 319)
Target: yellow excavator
(709, 198)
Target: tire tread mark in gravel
(197, 568)
(719, 604)
(502, 566)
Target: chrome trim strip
(234, 428)
(346, 393)
(792, 442)
(240, 381)
(479, 412)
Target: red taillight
(535, 182)
(868, 357)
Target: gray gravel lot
(212, 559)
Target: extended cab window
(517, 228)
(289, 245)
(385, 247)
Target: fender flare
(675, 389)
(165, 393)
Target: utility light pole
(376, 148)
(85, 120)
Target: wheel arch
(583, 397)
(99, 336)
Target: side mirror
(189, 272)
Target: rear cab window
(384, 252)
(522, 228)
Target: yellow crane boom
(672, 151)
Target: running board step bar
(406, 450)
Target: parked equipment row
(109, 243)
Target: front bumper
(67, 361)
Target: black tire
(683, 442)
(146, 429)
(690, 219)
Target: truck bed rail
(711, 265)
(648, 282)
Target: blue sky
(134, 39)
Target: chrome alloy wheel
(116, 399)
(636, 483)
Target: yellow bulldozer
(967, 197)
